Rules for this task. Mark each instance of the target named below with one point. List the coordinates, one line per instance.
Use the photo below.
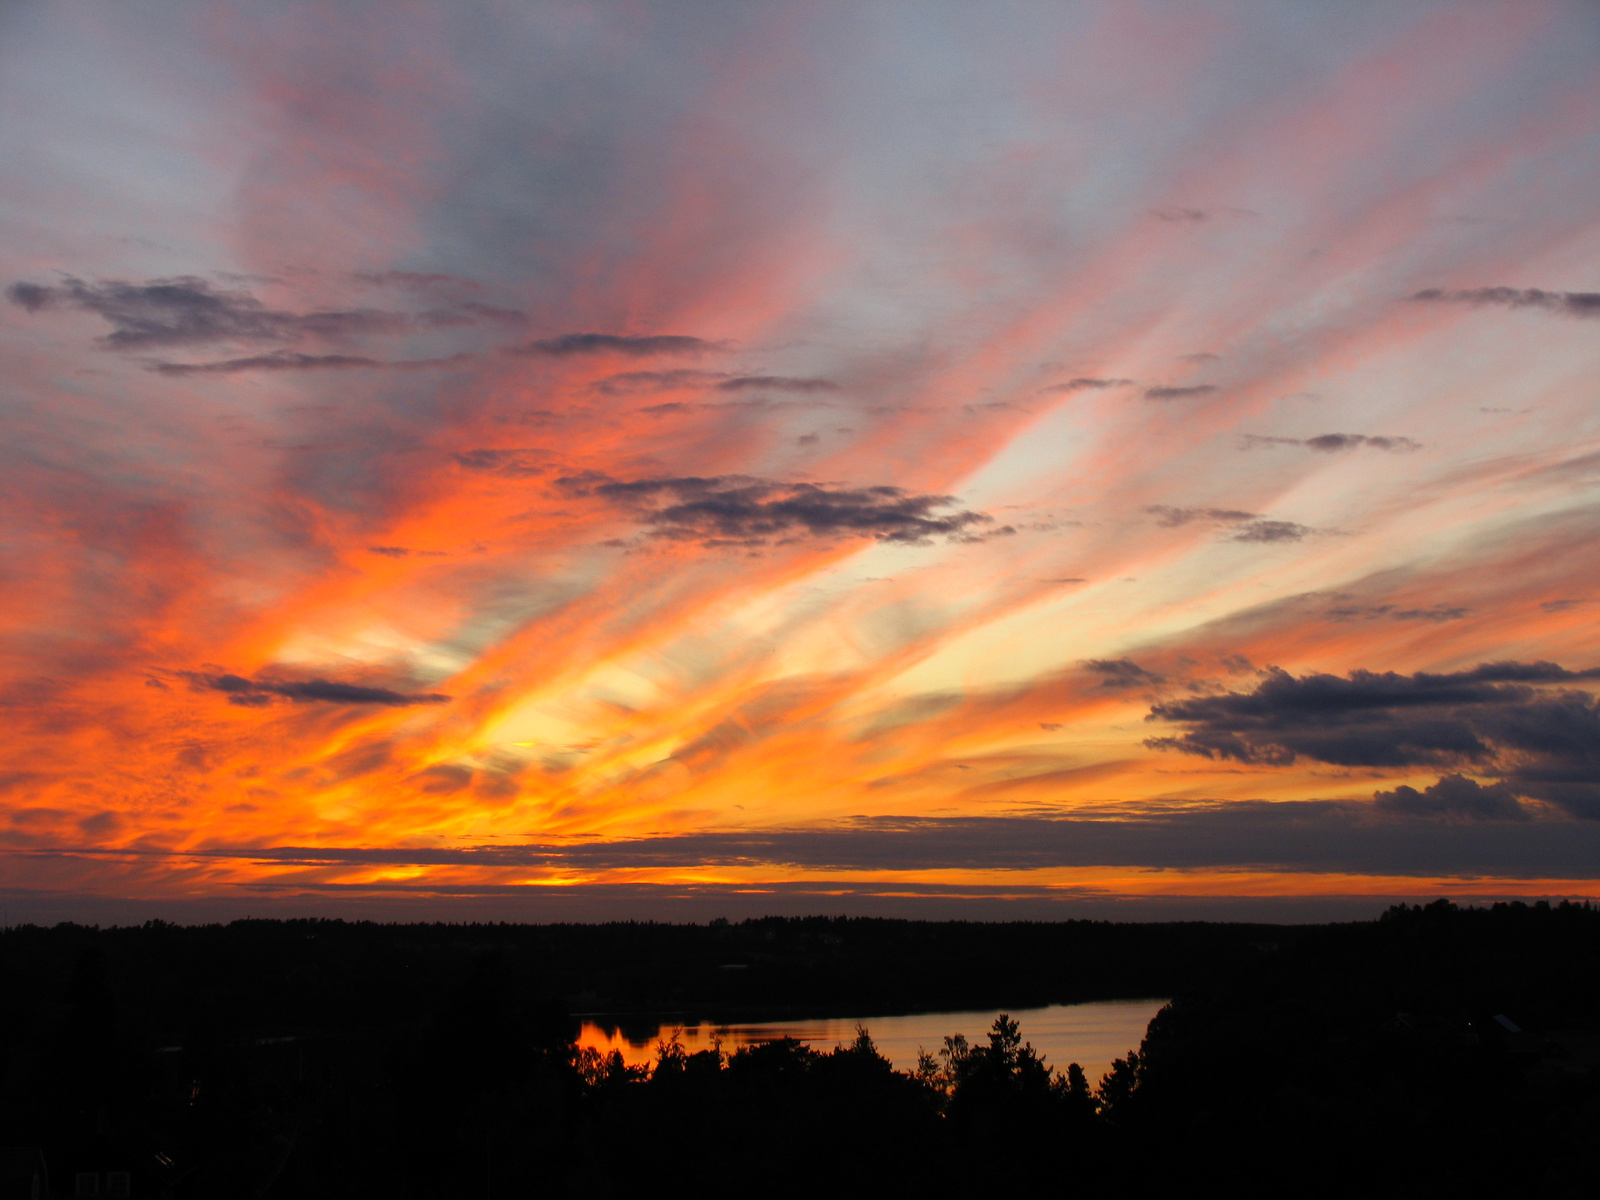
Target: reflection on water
(1088, 1034)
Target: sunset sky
(559, 461)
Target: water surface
(1090, 1035)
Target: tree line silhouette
(1436, 1051)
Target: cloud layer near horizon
(1137, 451)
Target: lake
(1088, 1034)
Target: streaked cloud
(190, 311)
(1571, 304)
(1086, 383)
(569, 344)
(735, 510)
(282, 360)
(1181, 392)
(1171, 517)
(256, 692)
(1457, 826)
(1330, 443)
(1270, 531)
(776, 383)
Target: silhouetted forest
(1435, 1051)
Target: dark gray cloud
(1186, 216)
(190, 311)
(1572, 304)
(183, 311)
(1456, 797)
(569, 344)
(1200, 356)
(32, 296)
(405, 552)
(1170, 517)
(254, 693)
(1085, 383)
(1269, 531)
(1499, 717)
(471, 312)
(1122, 673)
(777, 383)
(625, 382)
(278, 360)
(285, 360)
(1317, 835)
(1254, 527)
(739, 510)
(1179, 393)
(514, 463)
(1374, 612)
(1330, 443)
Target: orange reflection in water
(1091, 1035)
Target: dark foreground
(1433, 1052)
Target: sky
(665, 460)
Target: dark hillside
(1436, 1051)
